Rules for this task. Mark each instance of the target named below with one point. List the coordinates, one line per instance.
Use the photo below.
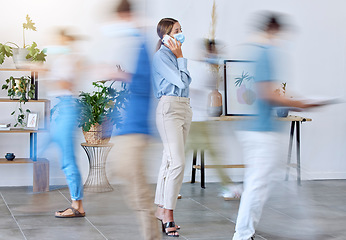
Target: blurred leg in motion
(128, 162)
(260, 151)
(63, 134)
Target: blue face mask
(180, 37)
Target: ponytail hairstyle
(164, 27)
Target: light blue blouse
(170, 75)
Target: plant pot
(19, 57)
(20, 89)
(99, 134)
(10, 156)
(214, 108)
(282, 112)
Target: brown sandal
(75, 213)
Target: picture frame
(240, 95)
(32, 121)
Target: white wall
(315, 61)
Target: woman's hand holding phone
(173, 45)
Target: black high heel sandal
(169, 225)
(163, 225)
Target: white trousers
(260, 151)
(173, 120)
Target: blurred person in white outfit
(260, 138)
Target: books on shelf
(5, 125)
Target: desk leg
(290, 150)
(202, 170)
(194, 161)
(298, 153)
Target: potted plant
(23, 90)
(100, 110)
(25, 54)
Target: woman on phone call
(171, 81)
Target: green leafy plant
(103, 104)
(23, 89)
(34, 54)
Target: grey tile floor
(316, 210)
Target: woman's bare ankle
(159, 212)
(78, 205)
(168, 216)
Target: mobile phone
(165, 39)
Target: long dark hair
(164, 27)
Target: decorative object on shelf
(32, 121)
(23, 90)
(100, 110)
(5, 125)
(214, 103)
(240, 95)
(282, 111)
(21, 56)
(10, 156)
(214, 108)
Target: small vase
(10, 156)
(282, 112)
(214, 103)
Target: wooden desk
(295, 120)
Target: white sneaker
(232, 192)
(236, 238)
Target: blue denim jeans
(62, 133)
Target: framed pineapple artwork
(240, 95)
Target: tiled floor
(316, 210)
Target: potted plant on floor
(21, 89)
(27, 53)
(100, 110)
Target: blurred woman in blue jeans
(61, 79)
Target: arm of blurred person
(110, 73)
(266, 92)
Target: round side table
(97, 180)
